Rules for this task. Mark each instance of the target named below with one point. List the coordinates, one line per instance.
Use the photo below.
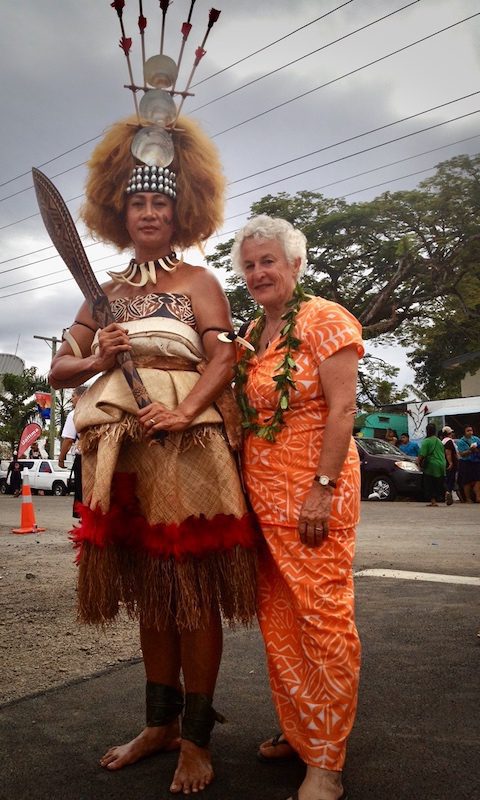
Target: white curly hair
(293, 241)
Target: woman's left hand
(156, 417)
(314, 516)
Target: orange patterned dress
(305, 603)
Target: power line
(307, 55)
(230, 233)
(357, 136)
(54, 158)
(37, 213)
(267, 46)
(242, 213)
(225, 69)
(345, 75)
(50, 258)
(351, 155)
(286, 102)
(322, 149)
(375, 169)
(320, 188)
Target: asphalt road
(417, 733)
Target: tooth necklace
(146, 270)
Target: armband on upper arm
(68, 338)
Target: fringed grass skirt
(164, 531)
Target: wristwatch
(324, 480)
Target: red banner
(29, 435)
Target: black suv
(387, 472)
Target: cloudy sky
(282, 81)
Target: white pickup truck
(45, 475)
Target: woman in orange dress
(301, 468)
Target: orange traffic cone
(27, 519)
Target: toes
(107, 760)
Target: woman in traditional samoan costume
(164, 527)
(301, 470)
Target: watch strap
(329, 481)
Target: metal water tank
(10, 364)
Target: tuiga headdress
(156, 150)
(157, 113)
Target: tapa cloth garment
(165, 530)
(306, 606)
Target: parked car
(387, 472)
(44, 475)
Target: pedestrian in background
(14, 471)
(408, 447)
(432, 461)
(451, 463)
(70, 443)
(469, 465)
(391, 436)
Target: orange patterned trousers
(306, 614)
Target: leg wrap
(199, 718)
(163, 703)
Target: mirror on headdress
(158, 106)
(160, 71)
(153, 146)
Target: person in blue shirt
(469, 465)
(408, 447)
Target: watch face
(324, 480)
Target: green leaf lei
(284, 381)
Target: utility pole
(52, 430)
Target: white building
(456, 412)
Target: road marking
(416, 576)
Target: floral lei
(284, 381)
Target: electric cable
(224, 69)
(267, 46)
(307, 55)
(345, 75)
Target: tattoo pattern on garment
(167, 305)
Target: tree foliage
(17, 404)
(376, 385)
(406, 264)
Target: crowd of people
(449, 463)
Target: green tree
(401, 263)
(376, 384)
(17, 404)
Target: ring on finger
(152, 421)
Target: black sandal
(275, 741)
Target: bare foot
(151, 740)
(194, 769)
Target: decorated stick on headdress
(125, 44)
(164, 6)
(185, 30)
(199, 53)
(142, 24)
(152, 145)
